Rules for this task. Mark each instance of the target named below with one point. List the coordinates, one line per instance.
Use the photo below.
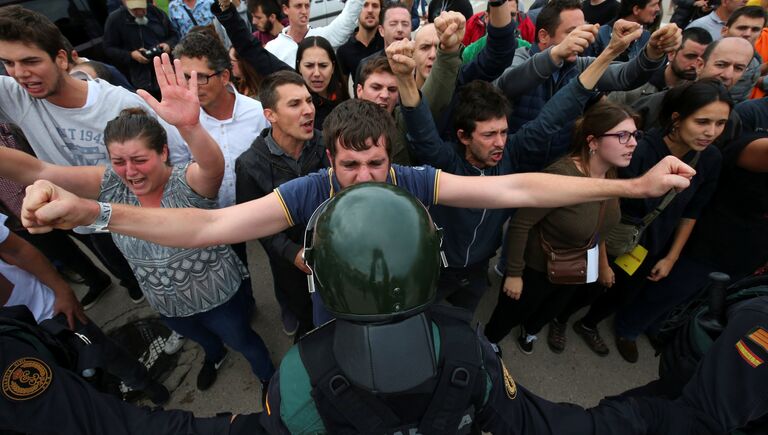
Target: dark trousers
(685, 281)
(292, 293)
(109, 354)
(539, 303)
(230, 324)
(105, 249)
(623, 291)
(463, 286)
(58, 246)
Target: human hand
(450, 27)
(138, 56)
(513, 287)
(67, 303)
(166, 48)
(400, 56)
(701, 3)
(661, 269)
(669, 173)
(180, 106)
(575, 43)
(606, 277)
(624, 33)
(665, 40)
(47, 206)
(224, 4)
(299, 262)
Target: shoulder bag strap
(666, 201)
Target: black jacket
(258, 172)
(122, 36)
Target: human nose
(364, 174)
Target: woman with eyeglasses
(201, 293)
(604, 139)
(694, 116)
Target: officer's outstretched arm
(547, 190)
(48, 206)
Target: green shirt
(470, 53)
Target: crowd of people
(212, 123)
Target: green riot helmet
(374, 253)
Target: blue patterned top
(180, 19)
(177, 282)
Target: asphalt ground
(577, 375)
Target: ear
(671, 56)
(285, 9)
(61, 60)
(270, 115)
(590, 140)
(724, 31)
(636, 10)
(463, 137)
(699, 65)
(675, 117)
(543, 37)
(226, 75)
(359, 90)
(164, 155)
(330, 159)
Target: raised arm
(424, 141)
(248, 48)
(24, 169)
(48, 206)
(180, 107)
(340, 29)
(547, 190)
(499, 50)
(525, 74)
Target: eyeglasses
(202, 79)
(624, 136)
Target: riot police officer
(393, 362)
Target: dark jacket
(258, 172)
(473, 235)
(122, 36)
(248, 48)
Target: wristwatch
(102, 221)
(496, 3)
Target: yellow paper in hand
(630, 261)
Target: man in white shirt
(62, 116)
(232, 119)
(298, 12)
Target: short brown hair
(268, 92)
(355, 121)
(379, 64)
(18, 24)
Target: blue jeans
(228, 324)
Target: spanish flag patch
(759, 336)
(747, 354)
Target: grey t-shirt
(74, 137)
(177, 282)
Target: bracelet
(102, 221)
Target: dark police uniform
(504, 407)
(731, 381)
(40, 396)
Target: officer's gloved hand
(246, 424)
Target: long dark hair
(595, 122)
(686, 99)
(250, 82)
(337, 89)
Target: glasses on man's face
(624, 136)
(202, 79)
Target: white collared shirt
(234, 136)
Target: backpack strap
(335, 395)
(461, 362)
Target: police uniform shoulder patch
(509, 384)
(746, 353)
(26, 378)
(759, 336)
